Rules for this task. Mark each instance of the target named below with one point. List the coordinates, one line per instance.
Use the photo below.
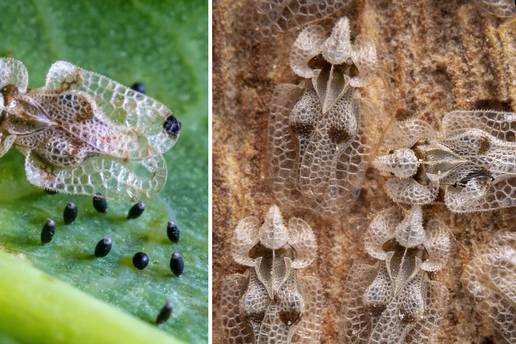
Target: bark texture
(434, 57)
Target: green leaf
(164, 45)
(60, 314)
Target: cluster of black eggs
(103, 247)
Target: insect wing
(235, 328)
(500, 193)
(6, 143)
(349, 173)
(13, 72)
(114, 179)
(490, 279)
(436, 304)
(356, 324)
(302, 239)
(245, 237)
(437, 245)
(289, 15)
(119, 104)
(405, 134)
(501, 125)
(283, 144)
(77, 113)
(309, 328)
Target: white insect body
(83, 133)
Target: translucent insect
(83, 133)
(273, 301)
(287, 15)
(395, 301)
(490, 278)
(315, 143)
(473, 158)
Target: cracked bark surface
(434, 57)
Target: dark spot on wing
(484, 145)
(338, 135)
(172, 126)
(302, 129)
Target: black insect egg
(100, 203)
(177, 264)
(172, 126)
(48, 231)
(140, 260)
(164, 313)
(70, 213)
(139, 87)
(103, 247)
(136, 210)
(173, 231)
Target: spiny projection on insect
(274, 301)
(472, 158)
(83, 133)
(315, 141)
(395, 300)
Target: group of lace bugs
(435, 247)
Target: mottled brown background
(434, 56)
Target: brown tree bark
(434, 57)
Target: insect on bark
(472, 158)
(317, 154)
(83, 133)
(396, 300)
(274, 301)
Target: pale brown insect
(274, 301)
(472, 158)
(317, 152)
(395, 300)
(83, 133)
